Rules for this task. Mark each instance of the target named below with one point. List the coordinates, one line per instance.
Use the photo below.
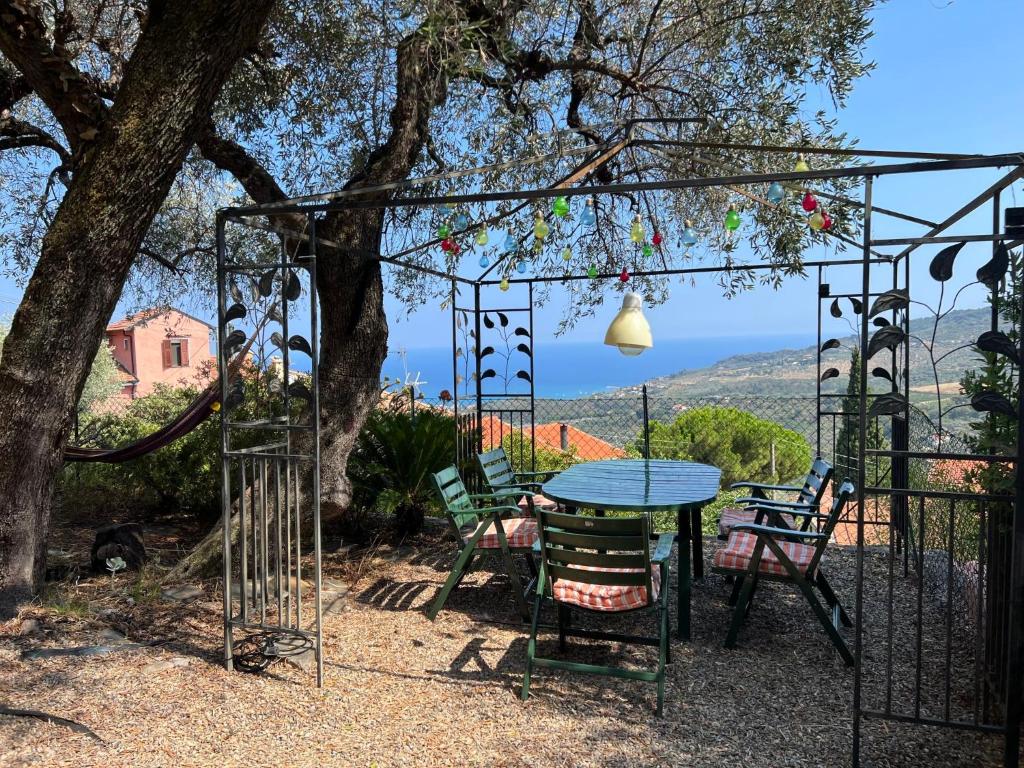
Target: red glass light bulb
(456, 248)
(446, 245)
(809, 204)
(656, 239)
(625, 275)
(826, 220)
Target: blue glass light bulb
(511, 244)
(521, 267)
(776, 193)
(689, 235)
(589, 216)
(461, 221)
(484, 261)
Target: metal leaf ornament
(266, 283)
(274, 313)
(235, 312)
(488, 323)
(897, 298)
(993, 270)
(525, 349)
(881, 373)
(236, 394)
(503, 319)
(520, 331)
(236, 293)
(234, 339)
(992, 402)
(829, 373)
(834, 309)
(299, 344)
(523, 375)
(277, 340)
(889, 404)
(881, 322)
(294, 288)
(830, 344)
(488, 350)
(490, 373)
(941, 268)
(857, 304)
(998, 342)
(889, 337)
(301, 391)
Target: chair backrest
(496, 468)
(455, 498)
(816, 482)
(575, 547)
(838, 505)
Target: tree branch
(61, 86)
(16, 134)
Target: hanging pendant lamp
(630, 331)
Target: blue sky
(946, 80)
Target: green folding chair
(496, 470)
(808, 499)
(601, 566)
(777, 553)
(491, 530)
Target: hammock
(195, 414)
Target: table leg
(697, 536)
(683, 612)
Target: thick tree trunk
(176, 72)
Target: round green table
(647, 485)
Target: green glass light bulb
(636, 232)
(647, 250)
(540, 227)
(591, 271)
(566, 253)
(443, 230)
(732, 219)
(560, 207)
(481, 236)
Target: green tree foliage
(527, 457)
(394, 457)
(847, 447)
(737, 442)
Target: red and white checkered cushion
(731, 517)
(521, 532)
(539, 502)
(736, 554)
(604, 597)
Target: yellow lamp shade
(629, 330)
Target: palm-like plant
(394, 457)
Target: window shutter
(184, 353)
(166, 347)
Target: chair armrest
(484, 511)
(765, 486)
(775, 509)
(754, 501)
(549, 473)
(778, 533)
(664, 549)
(500, 494)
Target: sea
(567, 369)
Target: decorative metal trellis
(489, 393)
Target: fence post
(774, 473)
(647, 424)
(412, 405)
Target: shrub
(394, 457)
(521, 449)
(737, 442)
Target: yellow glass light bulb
(816, 221)
(636, 232)
(481, 236)
(801, 165)
(504, 284)
(540, 227)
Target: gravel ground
(402, 691)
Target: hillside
(792, 372)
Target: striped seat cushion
(521, 533)
(731, 517)
(604, 597)
(736, 554)
(539, 502)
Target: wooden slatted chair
(489, 530)
(755, 552)
(601, 565)
(497, 472)
(808, 499)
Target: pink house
(161, 345)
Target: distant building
(555, 436)
(161, 345)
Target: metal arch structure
(998, 706)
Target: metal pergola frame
(577, 183)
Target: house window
(127, 344)
(175, 353)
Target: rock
(334, 602)
(289, 583)
(123, 540)
(108, 635)
(160, 665)
(304, 660)
(30, 627)
(180, 661)
(183, 593)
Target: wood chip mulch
(402, 691)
